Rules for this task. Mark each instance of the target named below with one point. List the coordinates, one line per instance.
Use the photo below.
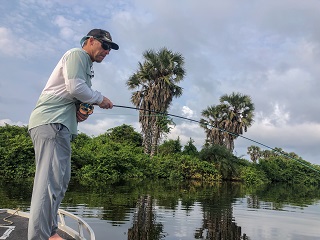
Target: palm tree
(211, 125)
(239, 115)
(156, 81)
(226, 121)
(266, 154)
(254, 152)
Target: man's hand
(106, 103)
(81, 117)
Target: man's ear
(90, 40)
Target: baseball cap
(100, 34)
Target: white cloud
(186, 130)
(96, 127)
(278, 118)
(68, 26)
(7, 43)
(186, 111)
(3, 122)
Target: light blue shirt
(69, 82)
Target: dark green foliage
(182, 167)
(125, 134)
(170, 147)
(111, 162)
(215, 153)
(192, 168)
(190, 148)
(282, 169)
(83, 150)
(118, 156)
(252, 175)
(16, 152)
(226, 163)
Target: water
(171, 211)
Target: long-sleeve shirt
(69, 82)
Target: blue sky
(268, 50)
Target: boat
(14, 225)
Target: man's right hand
(106, 103)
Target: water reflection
(172, 211)
(15, 194)
(218, 226)
(215, 217)
(217, 220)
(144, 222)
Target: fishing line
(222, 130)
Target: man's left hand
(81, 117)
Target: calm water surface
(171, 211)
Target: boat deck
(14, 227)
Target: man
(53, 123)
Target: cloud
(186, 111)
(3, 122)
(278, 118)
(186, 130)
(7, 45)
(301, 139)
(95, 127)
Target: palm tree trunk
(147, 141)
(155, 140)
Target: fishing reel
(86, 108)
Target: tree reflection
(218, 222)
(216, 208)
(144, 222)
(204, 210)
(253, 201)
(219, 226)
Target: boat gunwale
(82, 224)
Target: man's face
(97, 52)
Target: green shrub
(253, 176)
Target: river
(153, 210)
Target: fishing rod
(220, 129)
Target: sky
(268, 50)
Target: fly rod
(222, 130)
(88, 109)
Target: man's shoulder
(77, 53)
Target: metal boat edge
(82, 225)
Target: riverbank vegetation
(118, 155)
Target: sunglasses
(104, 44)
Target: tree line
(118, 155)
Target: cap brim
(114, 45)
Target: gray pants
(53, 169)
